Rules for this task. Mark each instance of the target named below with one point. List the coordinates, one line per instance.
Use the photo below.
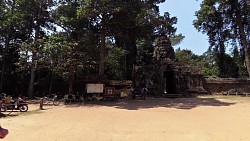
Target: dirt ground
(206, 118)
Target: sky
(184, 10)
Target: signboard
(95, 88)
(110, 91)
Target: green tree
(177, 39)
(115, 55)
(125, 22)
(238, 57)
(11, 36)
(99, 13)
(186, 57)
(225, 22)
(206, 62)
(36, 23)
(64, 58)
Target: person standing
(144, 91)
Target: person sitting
(7, 99)
(19, 100)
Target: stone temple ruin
(165, 76)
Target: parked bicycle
(51, 100)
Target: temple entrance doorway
(170, 82)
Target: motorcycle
(20, 105)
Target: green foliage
(230, 68)
(186, 57)
(225, 23)
(10, 39)
(126, 28)
(205, 62)
(60, 55)
(177, 39)
(114, 68)
(144, 52)
(208, 65)
(238, 58)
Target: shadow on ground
(4, 115)
(18, 113)
(178, 103)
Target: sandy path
(188, 119)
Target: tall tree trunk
(71, 80)
(3, 71)
(102, 53)
(34, 58)
(5, 51)
(51, 83)
(243, 41)
(131, 57)
(32, 78)
(246, 52)
(221, 55)
(102, 49)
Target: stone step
(171, 95)
(202, 92)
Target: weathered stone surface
(168, 77)
(227, 85)
(163, 49)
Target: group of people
(142, 92)
(8, 99)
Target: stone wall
(217, 86)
